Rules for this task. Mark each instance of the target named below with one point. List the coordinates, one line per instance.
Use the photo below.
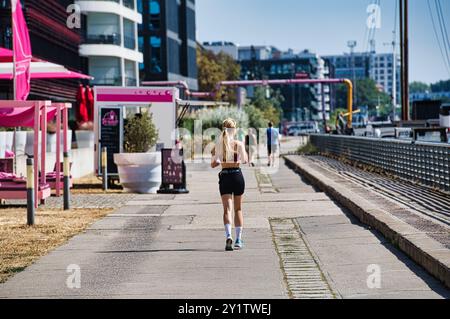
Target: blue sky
(323, 26)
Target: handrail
(221, 84)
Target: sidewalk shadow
(159, 250)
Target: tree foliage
(441, 86)
(270, 107)
(140, 133)
(367, 94)
(418, 87)
(214, 68)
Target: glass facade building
(167, 41)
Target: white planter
(139, 172)
(2, 144)
(9, 141)
(21, 142)
(85, 139)
(51, 141)
(29, 148)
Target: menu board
(110, 134)
(172, 168)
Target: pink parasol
(82, 112)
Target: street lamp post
(293, 93)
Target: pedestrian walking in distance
(229, 153)
(273, 144)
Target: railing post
(30, 192)
(105, 168)
(66, 181)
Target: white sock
(228, 230)
(238, 232)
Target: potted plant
(85, 135)
(139, 168)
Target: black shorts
(231, 182)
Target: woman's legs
(227, 213)
(238, 216)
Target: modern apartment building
(167, 41)
(377, 66)
(381, 71)
(51, 40)
(302, 102)
(111, 41)
(222, 46)
(258, 52)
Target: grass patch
(91, 184)
(21, 245)
(308, 149)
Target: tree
(418, 87)
(367, 94)
(441, 86)
(269, 106)
(214, 68)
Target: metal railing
(104, 39)
(421, 162)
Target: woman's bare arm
(244, 155)
(214, 161)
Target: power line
(445, 60)
(443, 27)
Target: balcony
(113, 81)
(125, 8)
(130, 81)
(116, 1)
(114, 39)
(129, 4)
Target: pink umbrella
(39, 69)
(90, 103)
(82, 112)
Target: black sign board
(173, 171)
(110, 134)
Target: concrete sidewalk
(166, 246)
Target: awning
(39, 69)
(24, 117)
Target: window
(155, 14)
(140, 6)
(128, 36)
(155, 54)
(141, 44)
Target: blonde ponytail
(226, 147)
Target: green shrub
(308, 149)
(140, 133)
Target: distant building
(429, 96)
(350, 66)
(302, 102)
(167, 41)
(376, 66)
(381, 71)
(261, 52)
(226, 47)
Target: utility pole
(404, 52)
(352, 45)
(394, 75)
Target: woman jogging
(230, 153)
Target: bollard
(30, 192)
(105, 168)
(66, 181)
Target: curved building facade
(111, 41)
